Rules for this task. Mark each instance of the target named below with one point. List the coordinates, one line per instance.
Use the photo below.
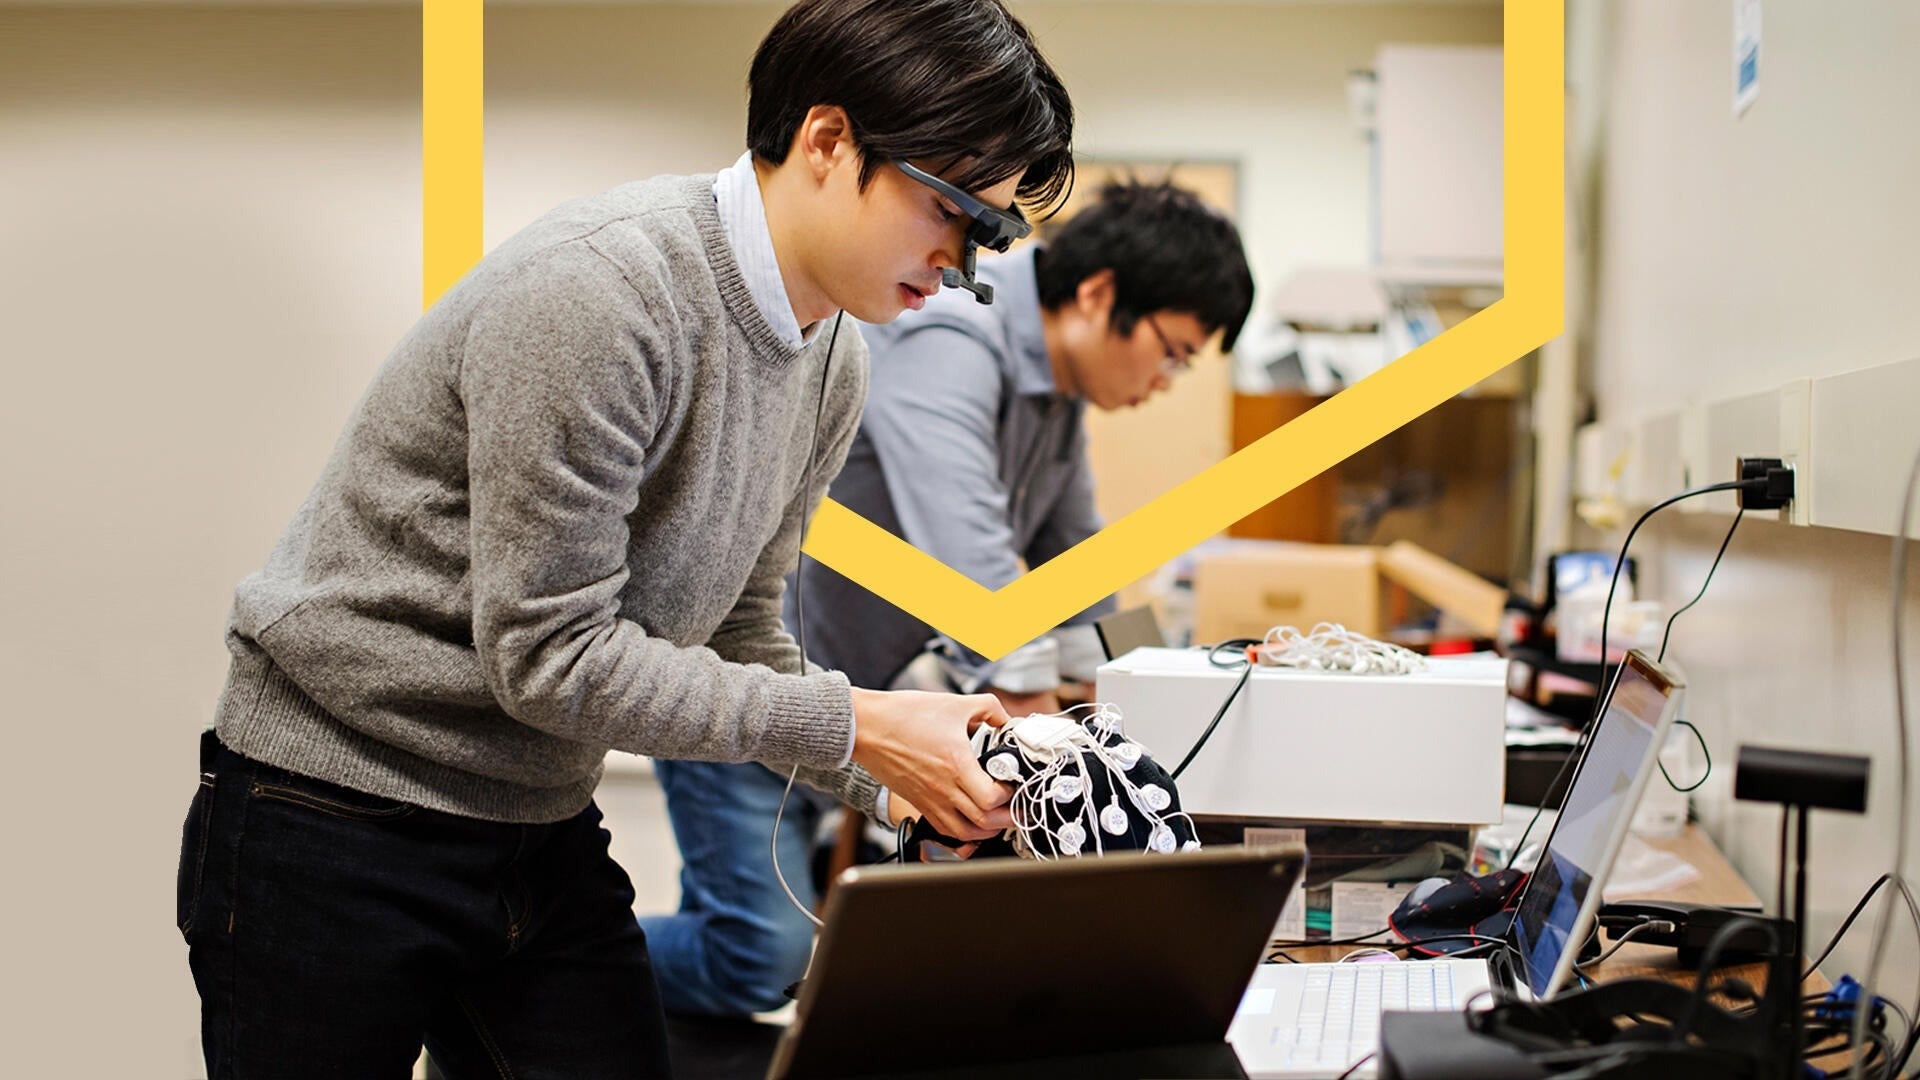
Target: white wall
(1734, 254)
(209, 238)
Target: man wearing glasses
(972, 448)
(972, 445)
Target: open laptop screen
(1557, 909)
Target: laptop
(1130, 964)
(1310, 1020)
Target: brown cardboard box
(1243, 593)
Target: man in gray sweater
(557, 524)
(973, 448)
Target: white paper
(1361, 907)
(1642, 870)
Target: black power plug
(1777, 476)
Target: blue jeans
(331, 933)
(737, 941)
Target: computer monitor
(1557, 910)
(1124, 631)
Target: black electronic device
(1694, 927)
(1800, 781)
(988, 226)
(1630, 1029)
(1805, 778)
(1446, 1046)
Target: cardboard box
(1244, 592)
(1423, 748)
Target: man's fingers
(960, 826)
(986, 710)
(979, 814)
(982, 791)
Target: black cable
(1906, 1025)
(800, 610)
(1213, 657)
(1845, 925)
(900, 832)
(1485, 940)
(1912, 1039)
(1704, 752)
(1659, 926)
(1738, 514)
(1278, 948)
(1355, 1067)
(1605, 696)
(1709, 960)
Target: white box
(1426, 748)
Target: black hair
(935, 82)
(1168, 252)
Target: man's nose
(950, 254)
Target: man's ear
(1094, 297)
(825, 141)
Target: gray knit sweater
(556, 524)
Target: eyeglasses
(988, 226)
(1175, 361)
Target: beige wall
(209, 223)
(583, 97)
(1735, 254)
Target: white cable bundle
(1333, 647)
(1052, 758)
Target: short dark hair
(934, 81)
(1168, 252)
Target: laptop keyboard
(1339, 1018)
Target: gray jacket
(968, 451)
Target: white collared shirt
(743, 217)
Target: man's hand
(1045, 701)
(916, 744)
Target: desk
(1718, 883)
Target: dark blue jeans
(333, 933)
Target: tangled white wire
(1332, 647)
(1058, 750)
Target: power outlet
(1777, 474)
